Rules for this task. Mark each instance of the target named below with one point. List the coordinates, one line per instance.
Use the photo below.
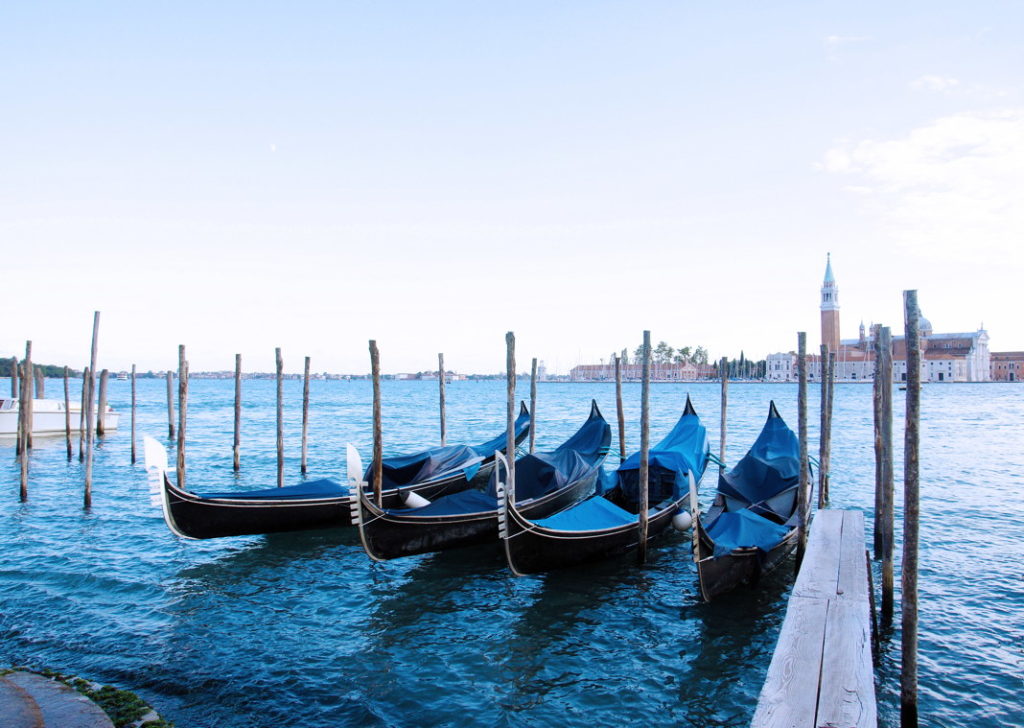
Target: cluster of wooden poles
(28, 384)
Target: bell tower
(830, 308)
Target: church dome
(924, 326)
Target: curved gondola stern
(359, 504)
(507, 516)
(688, 409)
(155, 457)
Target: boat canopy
(537, 475)
(685, 448)
(771, 468)
(593, 514)
(744, 529)
(403, 470)
(323, 488)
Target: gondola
(607, 524)
(318, 503)
(752, 524)
(545, 483)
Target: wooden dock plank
(819, 576)
(821, 673)
(789, 696)
(853, 570)
(847, 695)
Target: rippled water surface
(302, 629)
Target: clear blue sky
(240, 176)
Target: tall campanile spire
(830, 308)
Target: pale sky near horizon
(241, 176)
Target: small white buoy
(682, 521)
(414, 500)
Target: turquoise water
(302, 629)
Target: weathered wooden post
(67, 415)
(28, 382)
(827, 467)
(280, 417)
(441, 399)
(133, 414)
(101, 407)
(876, 405)
(235, 449)
(182, 412)
(305, 415)
(723, 371)
(170, 405)
(823, 430)
(40, 383)
(90, 410)
(911, 514)
(86, 378)
(23, 432)
(510, 412)
(533, 402)
(619, 410)
(886, 515)
(805, 480)
(378, 439)
(15, 375)
(645, 445)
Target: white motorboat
(48, 416)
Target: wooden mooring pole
(645, 446)
(826, 467)
(86, 378)
(378, 439)
(40, 383)
(886, 512)
(911, 514)
(280, 417)
(805, 480)
(618, 409)
(441, 399)
(823, 430)
(28, 381)
(133, 413)
(182, 413)
(510, 411)
(15, 376)
(723, 371)
(90, 410)
(170, 405)
(236, 446)
(876, 406)
(533, 402)
(101, 407)
(67, 415)
(305, 416)
(23, 430)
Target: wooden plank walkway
(821, 674)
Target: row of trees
(665, 354)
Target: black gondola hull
(392, 535)
(532, 549)
(192, 516)
(738, 568)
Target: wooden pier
(821, 673)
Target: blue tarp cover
(592, 514)
(324, 488)
(744, 529)
(770, 467)
(404, 470)
(536, 475)
(684, 448)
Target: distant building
(957, 357)
(1007, 366)
(676, 372)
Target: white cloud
(951, 188)
(936, 84)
